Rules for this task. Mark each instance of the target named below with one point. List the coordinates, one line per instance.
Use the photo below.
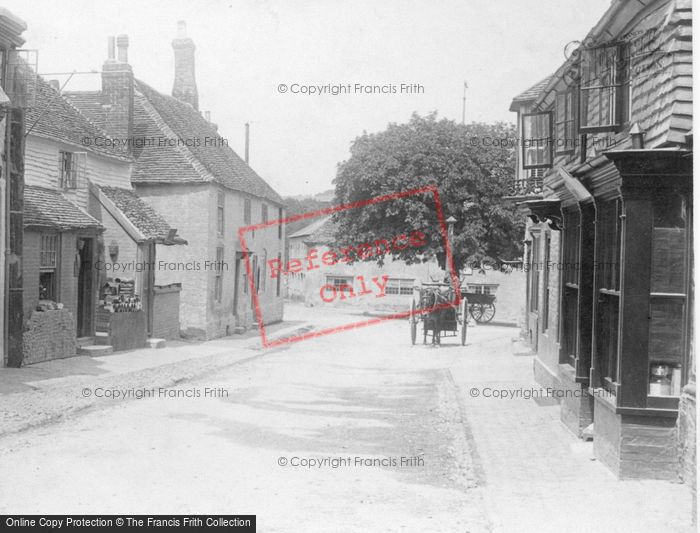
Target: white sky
(245, 49)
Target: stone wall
(49, 335)
(166, 312)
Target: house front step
(95, 350)
(84, 341)
(156, 343)
(101, 338)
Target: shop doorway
(83, 265)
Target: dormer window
(604, 88)
(71, 169)
(537, 140)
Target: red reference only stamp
(319, 273)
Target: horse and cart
(444, 315)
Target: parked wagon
(481, 306)
(448, 320)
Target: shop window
(565, 125)
(537, 140)
(571, 236)
(71, 169)
(545, 282)
(535, 266)
(219, 278)
(220, 213)
(399, 286)
(609, 233)
(48, 264)
(604, 90)
(668, 298)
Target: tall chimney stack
(185, 86)
(118, 91)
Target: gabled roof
(530, 94)
(48, 208)
(147, 220)
(54, 117)
(205, 158)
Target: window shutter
(61, 171)
(80, 162)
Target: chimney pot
(110, 47)
(122, 48)
(181, 29)
(207, 115)
(55, 85)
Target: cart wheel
(489, 311)
(465, 320)
(476, 310)
(414, 322)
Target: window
(604, 90)
(399, 286)
(246, 211)
(219, 279)
(263, 214)
(608, 237)
(535, 266)
(668, 298)
(48, 263)
(279, 226)
(571, 235)
(256, 275)
(536, 140)
(220, 213)
(71, 169)
(339, 282)
(279, 278)
(545, 282)
(263, 271)
(565, 125)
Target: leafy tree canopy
(471, 168)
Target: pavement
(488, 463)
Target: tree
(471, 165)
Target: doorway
(85, 247)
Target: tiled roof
(54, 117)
(164, 116)
(146, 219)
(309, 229)
(531, 93)
(48, 208)
(318, 232)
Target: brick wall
(166, 312)
(49, 335)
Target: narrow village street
(312, 437)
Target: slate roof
(530, 94)
(54, 117)
(168, 117)
(48, 208)
(146, 219)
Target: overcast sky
(246, 49)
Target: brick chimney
(185, 86)
(118, 91)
